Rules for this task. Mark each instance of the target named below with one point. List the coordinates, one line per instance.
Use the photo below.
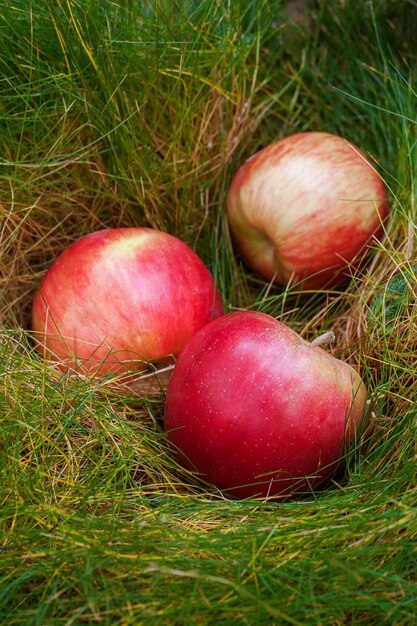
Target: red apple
(305, 207)
(259, 411)
(118, 297)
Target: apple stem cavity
(327, 337)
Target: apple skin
(118, 297)
(256, 409)
(304, 207)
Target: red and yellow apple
(259, 411)
(304, 207)
(120, 297)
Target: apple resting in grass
(304, 207)
(118, 297)
(259, 411)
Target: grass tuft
(127, 113)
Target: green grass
(124, 113)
